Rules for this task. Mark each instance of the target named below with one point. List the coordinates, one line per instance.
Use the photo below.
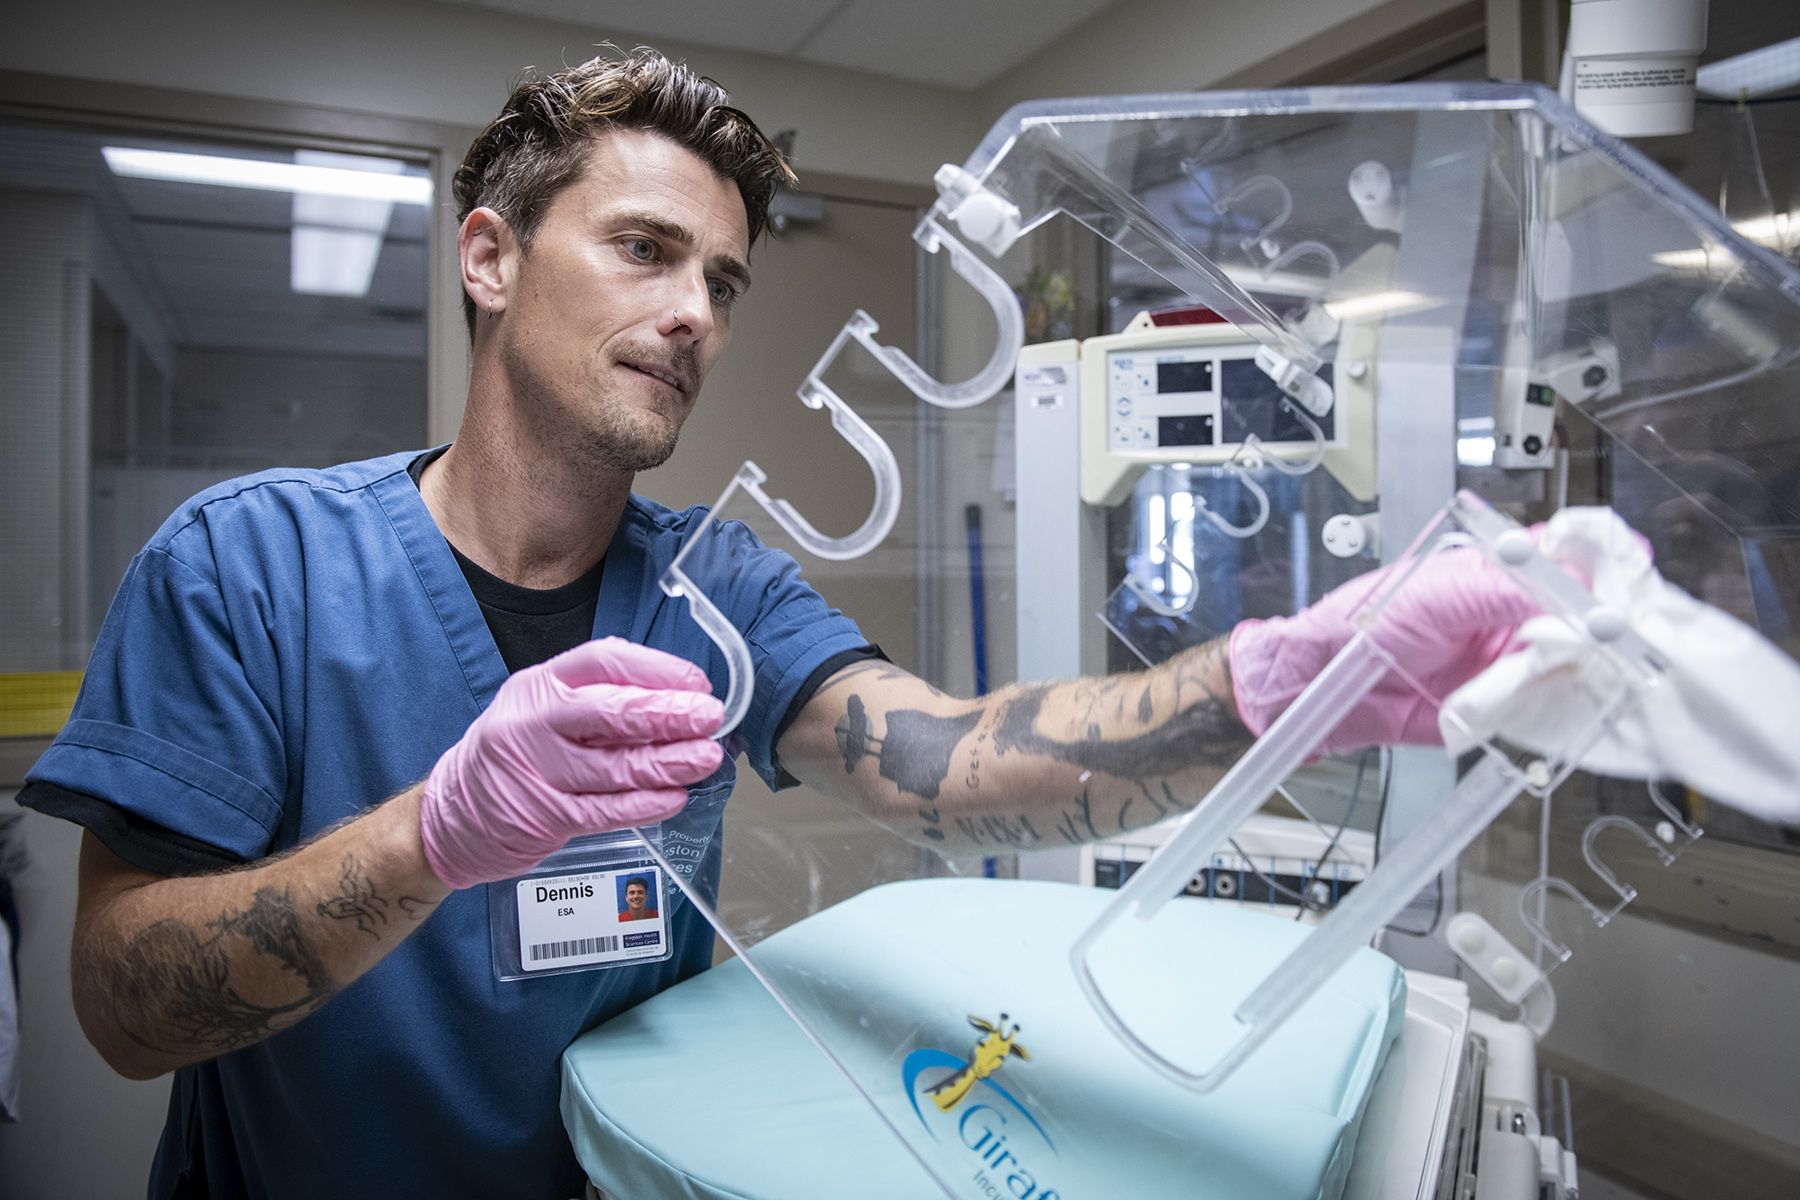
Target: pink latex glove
(1452, 618)
(605, 736)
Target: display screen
(1184, 377)
(1184, 431)
(1251, 403)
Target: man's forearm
(1042, 765)
(173, 971)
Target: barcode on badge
(575, 948)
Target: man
(637, 900)
(326, 704)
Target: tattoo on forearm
(994, 829)
(1077, 824)
(933, 827)
(416, 907)
(1168, 804)
(1203, 733)
(357, 901)
(915, 753)
(209, 990)
(184, 976)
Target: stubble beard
(600, 431)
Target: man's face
(623, 303)
(634, 896)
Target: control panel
(1188, 394)
(1277, 862)
(1198, 398)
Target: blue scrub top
(295, 646)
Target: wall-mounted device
(1630, 64)
(1189, 394)
(1525, 400)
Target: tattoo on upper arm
(876, 669)
(915, 752)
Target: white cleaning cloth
(1725, 719)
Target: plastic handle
(1255, 525)
(739, 669)
(1011, 338)
(1266, 457)
(1150, 599)
(1248, 188)
(875, 452)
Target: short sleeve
(791, 632)
(169, 724)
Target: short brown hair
(538, 144)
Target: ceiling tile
(949, 42)
(765, 27)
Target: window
(182, 310)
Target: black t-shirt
(528, 625)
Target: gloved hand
(1453, 617)
(605, 736)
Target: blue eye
(723, 294)
(641, 249)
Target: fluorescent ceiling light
(1777, 231)
(1772, 69)
(336, 240)
(267, 176)
(1377, 304)
(333, 262)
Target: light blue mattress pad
(710, 1091)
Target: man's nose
(690, 315)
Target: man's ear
(485, 248)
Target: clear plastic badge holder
(602, 901)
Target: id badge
(599, 902)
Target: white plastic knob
(987, 220)
(1469, 938)
(1344, 536)
(1372, 190)
(1506, 972)
(1514, 547)
(1606, 624)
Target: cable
(1257, 871)
(1307, 903)
(1362, 766)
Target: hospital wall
(87, 1132)
(450, 65)
(415, 61)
